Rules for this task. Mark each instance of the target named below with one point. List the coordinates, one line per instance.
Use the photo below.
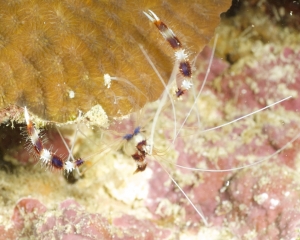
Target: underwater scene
(149, 120)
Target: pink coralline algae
(264, 199)
(258, 202)
(70, 221)
(32, 219)
(274, 76)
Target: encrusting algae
(54, 54)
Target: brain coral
(54, 54)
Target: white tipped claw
(26, 114)
(151, 16)
(154, 15)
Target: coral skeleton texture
(54, 54)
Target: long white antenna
(162, 100)
(201, 89)
(247, 115)
(190, 201)
(239, 168)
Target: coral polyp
(54, 54)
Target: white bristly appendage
(180, 55)
(69, 166)
(186, 84)
(48, 158)
(45, 156)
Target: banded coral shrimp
(128, 188)
(100, 174)
(213, 182)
